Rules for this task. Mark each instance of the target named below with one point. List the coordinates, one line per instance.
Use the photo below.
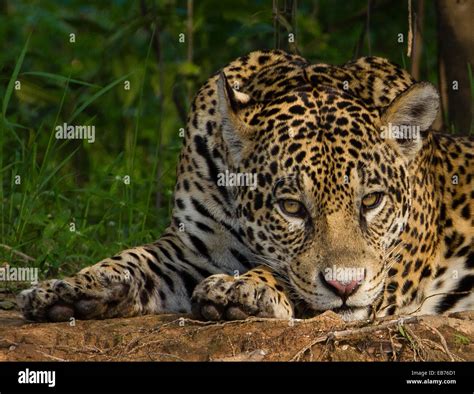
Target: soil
(180, 338)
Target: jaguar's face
(331, 202)
(332, 199)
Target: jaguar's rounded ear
(236, 109)
(409, 114)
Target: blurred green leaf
(8, 93)
(189, 69)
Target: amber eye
(371, 200)
(292, 208)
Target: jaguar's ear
(236, 108)
(409, 114)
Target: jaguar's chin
(349, 314)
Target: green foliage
(461, 339)
(70, 183)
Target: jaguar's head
(332, 186)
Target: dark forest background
(66, 204)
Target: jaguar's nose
(341, 288)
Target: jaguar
(358, 206)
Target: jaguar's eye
(292, 208)
(372, 200)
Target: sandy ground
(178, 338)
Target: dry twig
(20, 254)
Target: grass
(461, 339)
(47, 222)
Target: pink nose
(343, 289)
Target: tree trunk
(456, 55)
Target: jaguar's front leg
(131, 283)
(256, 293)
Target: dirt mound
(178, 337)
